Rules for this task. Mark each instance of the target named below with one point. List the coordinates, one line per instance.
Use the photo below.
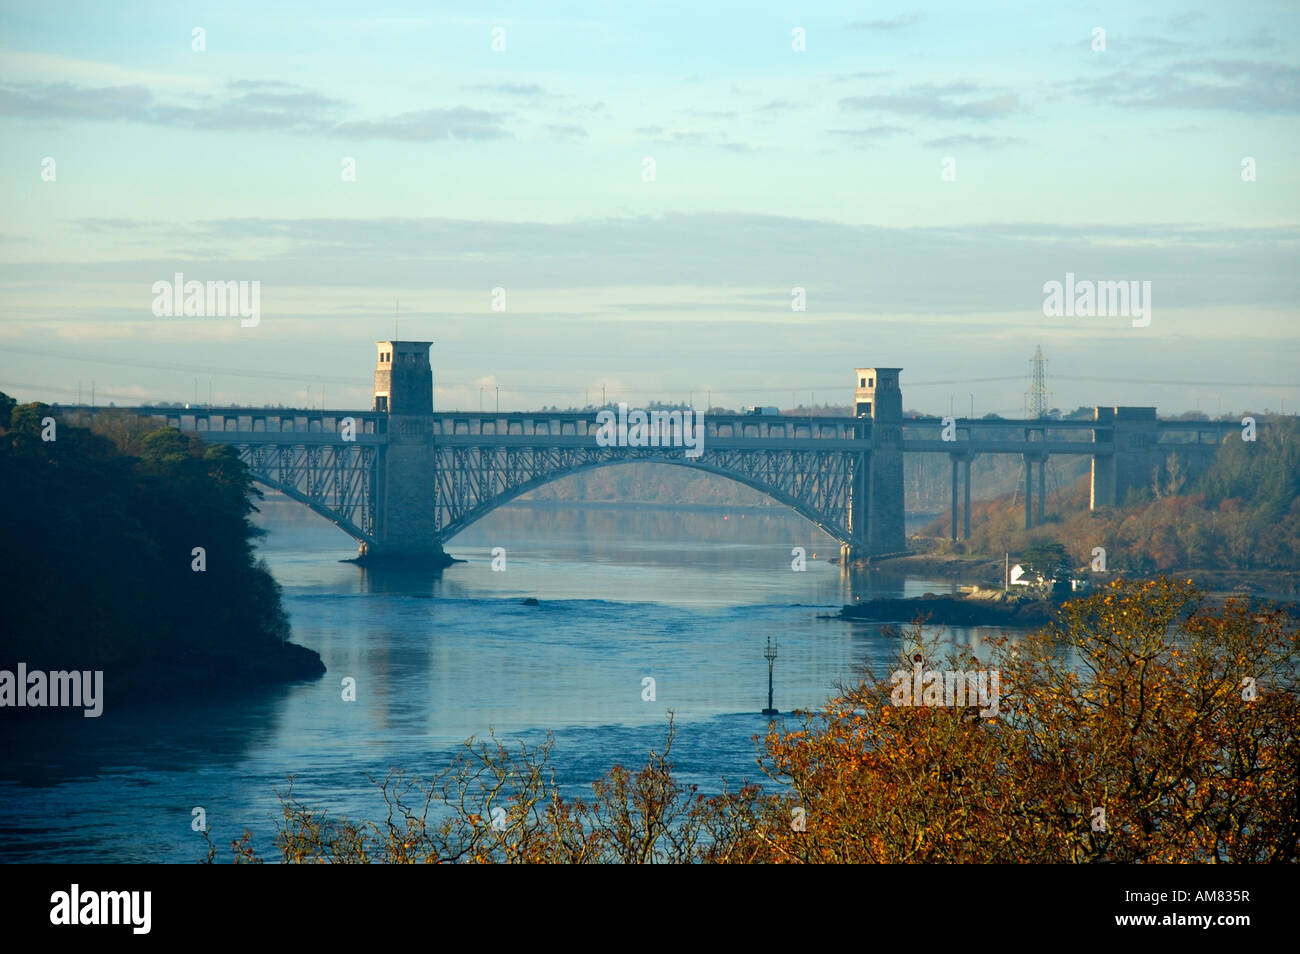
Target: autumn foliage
(1143, 726)
(1242, 513)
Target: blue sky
(774, 168)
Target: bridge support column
(406, 512)
(1029, 492)
(1042, 488)
(886, 532)
(1103, 482)
(406, 525)
(954, 497)
(961, 468)
(967, 528)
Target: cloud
(949, 101)
(861, 74)
(289, 111)
(260, 84)
(876, 26)
(66, 100)
(567, 130)
(1259, 40)
(428, 125)
(693, 137)
(1184, 20)
(305, 100)
(1243, 86)
(248, 104)
(870, 132)
(985, 267)
(968, 139)
(523, 90)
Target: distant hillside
(1242, 513)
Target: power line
(187, 368)
(313, 378)
(1198, 384)
(68, 390)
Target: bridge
(403, 479)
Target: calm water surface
(439, 660)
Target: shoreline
(934, 610)
(1282, 585)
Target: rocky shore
(979, 608)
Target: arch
(840, 534)
(347, 526)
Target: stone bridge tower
(406, 475)
(1134, 435)
(876, 512)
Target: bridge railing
(585, 424)
(261, 421)
(231, 424)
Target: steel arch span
(474, 481)
(465, 483)
(336, 481)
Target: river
(687, 599)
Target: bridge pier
(969, 460)
(1030, 510)
(961, 465)
(955, 461)
(406, 505)
(876, 507)
(406, 524)
(1029, 492)
(1133, 439)
(1042, 487)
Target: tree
(1047, 560)
(98, 561)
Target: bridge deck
(239, 425)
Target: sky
(918, 171)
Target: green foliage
(1264, 473)
(1048, 560)
(26, 418)
(97, 553)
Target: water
(685, 599)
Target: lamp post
(770, 655)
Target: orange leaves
(1145, 727)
